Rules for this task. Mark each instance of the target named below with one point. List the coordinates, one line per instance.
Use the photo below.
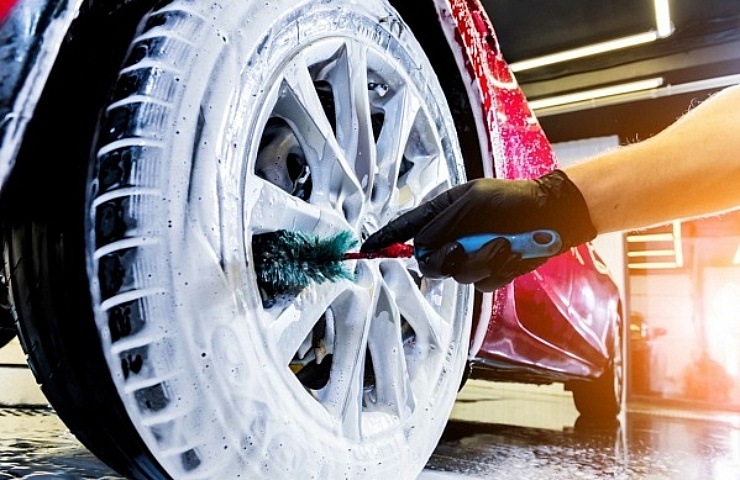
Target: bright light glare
(726, 302)
(736, 257)
(586, 95)
(663, 18)
(722, 327)
(651, 237)
(588, 50)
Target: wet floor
(495, 433)
(531, 435)
(35, 445)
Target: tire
(7, 321)
(7, 326)
(229, 120)
(600, 400)
(43, 212)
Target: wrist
(565, 209)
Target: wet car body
(558, 324)
(574, 342)
(555, 324)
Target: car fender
(30, 39)
(5, 7)
(512, 142)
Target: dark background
(705, 44)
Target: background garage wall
(17, 385)
(666, 301)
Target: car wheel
(601, 399)
(230, 120)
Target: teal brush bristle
(287, 262)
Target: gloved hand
(489, 206)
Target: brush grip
(534, 244)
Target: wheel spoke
(294, 323)
(400, 113)
(342, 397)
(428, 174)
(354, 126)
(301, 106)
(392, 381)
(335, 183)
(427, 323)
(270, 209)
(416, 191)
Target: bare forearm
(690, 169)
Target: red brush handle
(397, 250)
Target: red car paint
(557, 323)
(5, 6)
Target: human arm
(690, 169)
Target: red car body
(557, 323)
(5, 6)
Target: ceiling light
(663, 28)
(650, 237)
(652, 253)
(602, 92)
(638, 95)
(670, 248)
(588, 50)
(663, 22)
(653, 265)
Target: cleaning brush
(286, 262)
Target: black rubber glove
(489, 206)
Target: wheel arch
(35, 34)
(424, 21)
